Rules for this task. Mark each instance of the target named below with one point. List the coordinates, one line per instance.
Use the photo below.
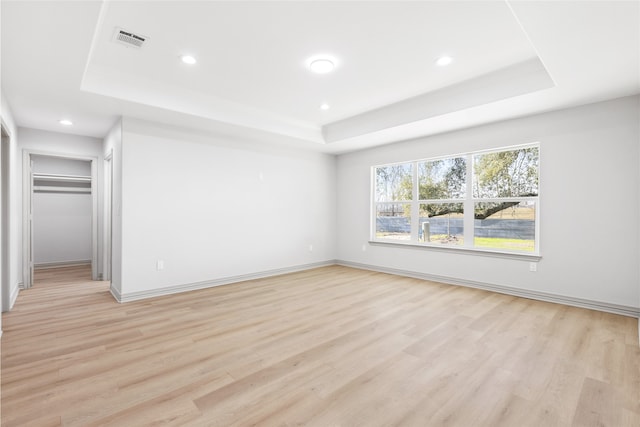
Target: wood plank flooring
(333, 346)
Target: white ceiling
(510, 59)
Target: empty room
(320, 213)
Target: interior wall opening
(62, 218)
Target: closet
(62, 211)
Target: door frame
(27, 213)
(107, 213)
(5, 214)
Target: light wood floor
(328, 347)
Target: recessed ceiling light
(324, 107)
(65, 122)
(188, 59)
(444, 60)
(321, 65)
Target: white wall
(54, 143)
(589, 179)
(61, 166)
(61, 228)
(59, 143)
(212, 208)
(173, 188)
(61, 221)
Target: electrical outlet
(160, 265)
(533, 266)
(310, 248)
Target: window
(394, 192)
(442, 190)
(485, 200)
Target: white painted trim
(59, 264)
(115, 293)
(27, 191)
(524, 256)
(623, 310)
(95, 189)
(6, 206)
(27, 279)
(152, 293)
(14, 296)
(107, 215)
(524, 293)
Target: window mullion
(469, 205)
(415, 206)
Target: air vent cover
(128, 38)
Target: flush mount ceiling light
(65, 122)
(188, 59)
(444, 60)
(321, 65)
(324, 107)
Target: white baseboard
(14, 295)
(133, 296)
(541, 296)
(115, 292)
(524, 293)
(59, 264)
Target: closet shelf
(60, 178)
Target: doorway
(60, 221)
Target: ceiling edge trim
(518, 79)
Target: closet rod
(51, 189)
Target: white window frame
(468, 202)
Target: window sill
(466, 251)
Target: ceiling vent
(128, 38)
